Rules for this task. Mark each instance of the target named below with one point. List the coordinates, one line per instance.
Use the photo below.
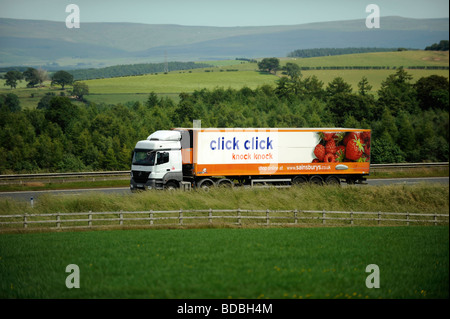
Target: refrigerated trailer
(212, 157)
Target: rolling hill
(51, 44)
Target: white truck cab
(157, 162)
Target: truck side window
(163, 157)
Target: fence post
(90, 219)
(267, 217)
(121, 218)
(239, 216)
(181, 217)
(407, 219)
(295, 217)
(210, 216)
(58, 220)
(435, 219)
(151, 217)
(351, 217)
(323, 217)
(379, 218)
(25, 225)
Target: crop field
(273, 263)
(388, 59)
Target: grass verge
(418, 198)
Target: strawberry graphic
(319, 151)
(340, 153)
(330, 147)
(329, 158)
(350, 136)
(367, 149)
(328, 136)
(354, 149)
(365, 136)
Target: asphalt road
(26, 196)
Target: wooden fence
(239, 217)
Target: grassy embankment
(419, 198)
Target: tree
(344, 105)
(432, 92)
(45, 101)
(62, 78)
(364, 86)
(31, 75)
(12, 77)
(152, 100)
(442, 46)
(80, 89)
(397, 93)
(42, 76)
(338, 85)
(269, 64)
(11, 101)
(61, 111)
(311, 87)
(293, 70)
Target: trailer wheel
(225, 183)
(299, 180)
(333, 180)
(316, 179)
(205, 184)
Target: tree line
(316, 52)
(133, 69)
(441, 46)
(409, 120)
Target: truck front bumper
(150, 184)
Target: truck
(227, 157)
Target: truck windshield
(144, 157)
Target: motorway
(27, 195)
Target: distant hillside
(51, 44)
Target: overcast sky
(220, 12)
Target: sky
(221, 13)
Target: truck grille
(140, 177)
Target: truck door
(162, 162)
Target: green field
(179, 82)
(390, 59)
(137, 88)
(274, 263)
(247, 75)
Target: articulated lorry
(210, 157)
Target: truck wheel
(333, 180)
(299, 180)
(316, 179)
(170, 186)
(205, 184)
